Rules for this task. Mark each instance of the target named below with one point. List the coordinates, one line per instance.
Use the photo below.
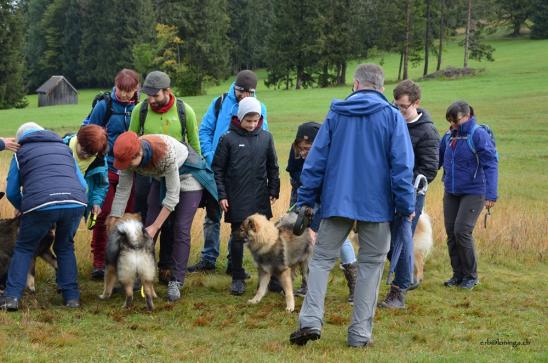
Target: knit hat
(246, 80)
(126, 148)
(308, 131)
(155, 81)
(26, 128)
(248, 105)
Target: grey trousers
(374, 240)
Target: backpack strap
(470, 142)
(142, 117)
(182, 118)
(219, 103)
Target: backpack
(218, 103)
(180, 112)
(107, 97)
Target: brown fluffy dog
(8, 235)
(277, 251)
(130, 254)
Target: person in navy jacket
(361, 164)
(470, 164)
(46, 188)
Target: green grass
(439, 324)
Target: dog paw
(290, 309)
(253, 301)
(103, 297)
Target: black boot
(351, 273)
(394, 300)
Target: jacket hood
(361, 103)
(40, 136)
(425, 118)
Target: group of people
(151, 157)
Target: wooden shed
(57, 91)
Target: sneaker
(72, 303)
(301, 291)
(453, 281)
(98, 274)
(237, 287)
(202, 266)
(9, 303)
(274, 285)
(468, 284)
(394, 300)
(173, 290)
(303, 335)
(414, 284)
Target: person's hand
(312, 236)
(273, 199)
(224, 205)
(111, 221)
(96, 210)
(152, 230)
(10, 144)
(489, 204)
(16, 213)
(411, 217)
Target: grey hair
(370, 75)
(24, 128)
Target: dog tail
(113, 246)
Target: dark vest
(47, 172)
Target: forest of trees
(301, 43)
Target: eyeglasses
(251, 91)
(402, 107)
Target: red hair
(127, 80)
(159, 147)
(93, 139)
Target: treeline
(301, 43)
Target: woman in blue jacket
(469, 159)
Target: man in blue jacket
(214, 124)
(361, 164)
(46, 187)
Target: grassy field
(440, 324)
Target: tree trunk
(467, 33)
(342, 78)
(299, 82)
(401, 65)
(407, 39)
(324, 79)
(442, 31)
(427, 38)
(516, 25)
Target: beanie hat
(126, 148)
(308, 131)
(246, 80)
(154, 82)
(26, 128)
(248, 105)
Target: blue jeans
(347, 254)
(34, 226)
(211, 250)
(402, 277)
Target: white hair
(370, 76)
(26, 127)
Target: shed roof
(52, 83)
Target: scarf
(167, 106)
(147, 153)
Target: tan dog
(130, 254)
(277, 251)
(422, 245)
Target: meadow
(440, 324)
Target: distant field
(210, 325)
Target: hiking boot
(394, 300)
(164, 276)
(303, 335)
(302, 291)
(229, 271)
(98, 274)
(173, 290)
(274, 285)
(237, 287)
(202, 266)
(72, 303)
(468, 284)
(351, 273)
(453, 281)
(9, 303)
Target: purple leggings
(181, 217)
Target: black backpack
(107, 97)
(180, 112)
(218, 103)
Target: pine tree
(35, 42)
(539, 30)
(12, 90)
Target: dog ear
(251, 224)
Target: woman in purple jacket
(470, 162)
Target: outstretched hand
(10, 144)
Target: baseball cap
(308, 131)
(154, 82)
(126, 148)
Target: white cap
(25, 128)
(248, 105)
